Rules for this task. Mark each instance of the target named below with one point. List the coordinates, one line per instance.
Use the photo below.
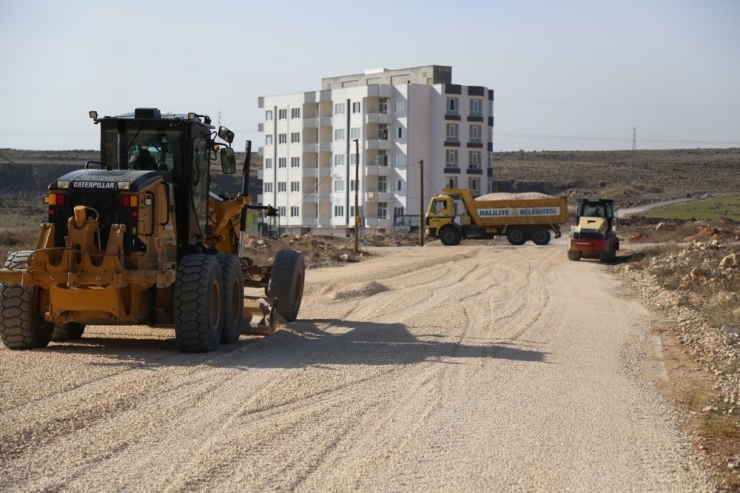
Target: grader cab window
(144, 148)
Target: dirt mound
(354, 291)
(514, 196)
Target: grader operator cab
(595, 233)
(139, 238)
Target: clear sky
(567, 75)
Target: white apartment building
(377, 126)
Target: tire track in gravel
(465, 375)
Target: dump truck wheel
(449, 236)
(197, 304)
(574, 255)
(232, 311)
(286, 282)
(541, 237)
(516, 236)
(70, 331)
(22, 324)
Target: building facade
(363, 137)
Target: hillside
(623, 175)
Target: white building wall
(422, 123)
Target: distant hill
(622, 175)
(33, 171)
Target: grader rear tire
(197, 304)
(574, 255)
(70, 331)
(232, 311)
(286, 282)
(22, 324)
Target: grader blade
(259, 316)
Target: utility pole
(421, 203)
(634, 145)
(357, 191)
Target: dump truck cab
(594, 234)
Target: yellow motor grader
(139, 238)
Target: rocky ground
(694, 279)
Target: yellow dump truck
(520, 220)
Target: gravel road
(462, 368)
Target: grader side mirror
(226, 134)
(228, 161)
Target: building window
(382, 184)
(295, 162)
(339, 185)
(268, 162)
(295, 186)
(339, 134)
(295, 211)
(282, 114)
(339, 109)
(383, 131)
(354, 133)
(295, 113)
(397, 211)
(452, 132)
(267, 186)
(352, 210)
(352, 184)
(281, 211)
(451, 161)
(383, 105)
(474, 159)
(282, 138)
(268, 115)
(282, 162)
(382, 210)
(452, 182)
(475, 133)
(382, 158)
(399, 186)
(356, 107)
(453, 107)
(338, 211)
(474, 185)
(339, 160)
(400, 159)
(476, 107)
(295, 137)
(281, 186)
(400, 106)
(268, 139)
(399, 133)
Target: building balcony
(377, 118)
(311, 123)
(260, 174)
(309, 221)
(326, 121)
(380, 90)
(378, 144)
(375, 196)
(375, 170)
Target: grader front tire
(286, 283)
(197, 304)
(22, 324)
(232, 311)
